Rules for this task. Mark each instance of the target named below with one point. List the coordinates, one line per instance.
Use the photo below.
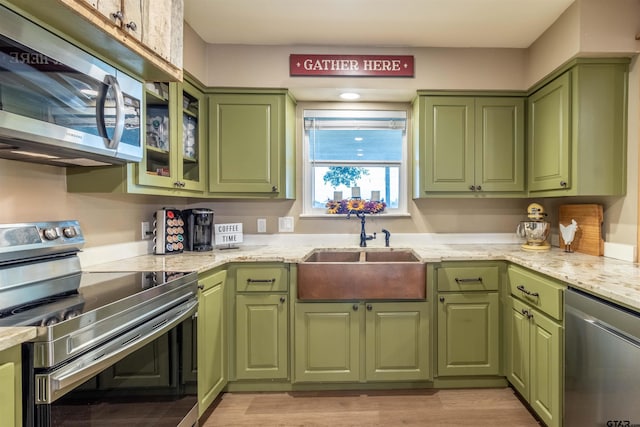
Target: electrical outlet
(262, 225)
(285, 224)
(145, 229)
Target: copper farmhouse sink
(389, 274)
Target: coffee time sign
(351, 65)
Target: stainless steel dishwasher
(602, 363)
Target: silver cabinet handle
(369, 307)
(479, 188)
(563, 184)
(441, 299)
(282, 299)
(526, 313)
(355, 307)
(132, 26)
(525, 291)
(472, 187)
(470, 280)
(250, 280)
(117, 15)
(274, 189)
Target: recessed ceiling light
(358, 138)
(350, 95)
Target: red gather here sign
(351, 65)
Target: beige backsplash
(34, 192)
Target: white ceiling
(375, 23)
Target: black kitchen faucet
(363, 234)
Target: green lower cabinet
(468, 333)
(348, 342)
(534, 360)
(327, 342)
(397, 341)
(262, 336)
(10, 387)
(211, 366)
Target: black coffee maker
(198, 229)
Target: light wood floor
(468, 408)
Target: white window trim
(349, 109)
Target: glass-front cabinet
(173, 146)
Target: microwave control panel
(168, 231)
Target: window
(355, 153)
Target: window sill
(342, 216)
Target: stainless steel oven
(110, 347)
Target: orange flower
(355, 205)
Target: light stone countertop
(15, 335)
(615, 280)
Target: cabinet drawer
(541, 292)
(469, 278)
(263, 278)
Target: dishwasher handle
(628, 338)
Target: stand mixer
(536, 230)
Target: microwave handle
(111, 82)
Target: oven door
(132, 380)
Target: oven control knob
(51, 321)
(71, 314)
(50, 233)
(69, 232)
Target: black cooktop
(91, 291)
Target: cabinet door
(10, 388)
(148, 367)
(327, 342)
(549, 136)
(546, 369)
(449, 139)
(518, 343)
(397, 341)
(159, 167)
(211, 363)
(499, 144)
(245, 138)
(262, 336)
(468, 334)
(191, 150)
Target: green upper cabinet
(577, 131)
(175, 149)
(469, 145)
(252, 144)
(175, 152)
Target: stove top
(42, 285)
(88, 291)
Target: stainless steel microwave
(60, 105)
